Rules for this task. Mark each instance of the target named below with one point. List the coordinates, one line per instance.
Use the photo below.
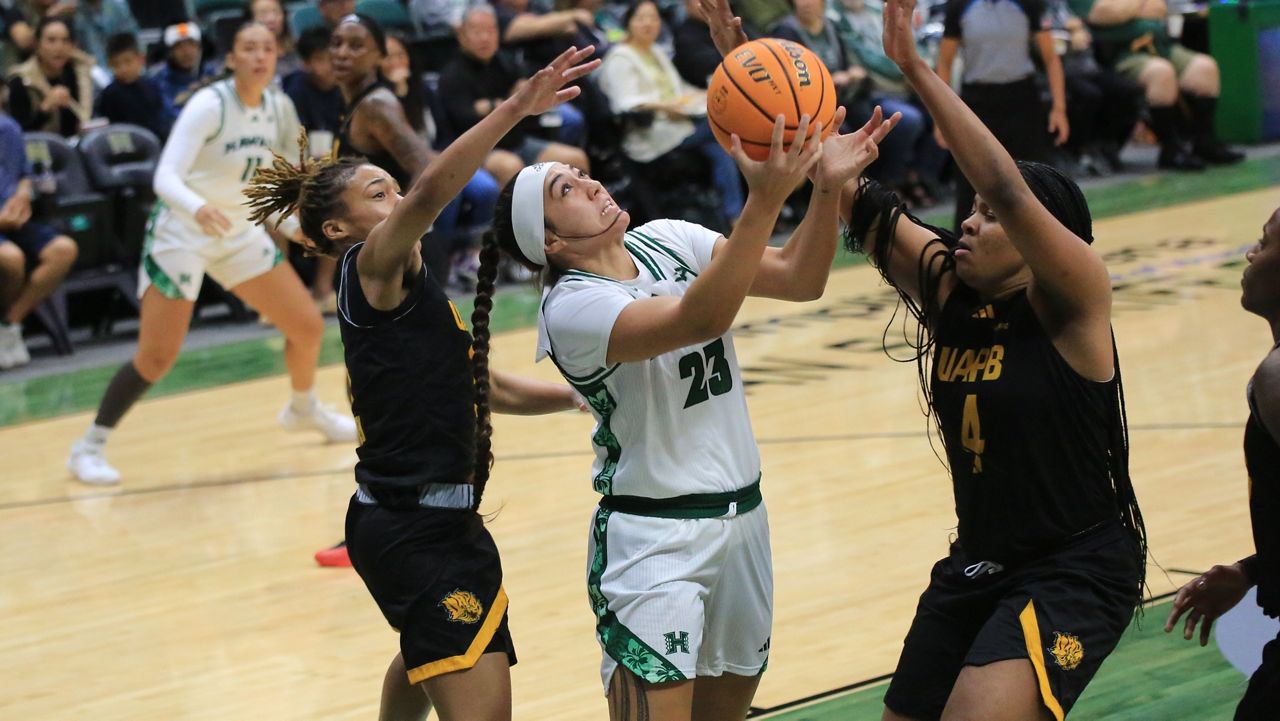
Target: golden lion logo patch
(462, 606)
(1067, 650)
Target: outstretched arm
(391, 243)
(726, 28)
(1070, 278)
(798, 271)
(517, 395)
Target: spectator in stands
(334, 10)
(996, 37)
(133, 97)
(759, 15)
(437, 17)
(182, 69)
(1133, 35)
(536, 38)
(1102, 105)
(271, 13)
(97, 20)
(33, 257)
(18, 33)
(27, 14)
(314, 90)
(638, 76)
(480, 78)
(910, 161)
(52, 90)
(696, 56)
(397, 68)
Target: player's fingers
(1189, 627)
(1204, 631)
(885, 127)
(567, 94)
(1179, 608)
(779, 130)
(739, 155)
(562, 60)
(877, 117)
(801, 134)
(837, 120)
(578, 71)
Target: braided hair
(312, 189)
(876, 213)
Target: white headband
(527, 219)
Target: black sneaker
(1215, 153)
(1176, 158)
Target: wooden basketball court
(190, 593)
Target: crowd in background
(1062, 81)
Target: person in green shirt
(1134, 35)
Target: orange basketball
(762, 79)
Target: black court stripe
(544, 455)
(795, 96)
(744, 141)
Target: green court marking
(80, 390)
(1152, 675)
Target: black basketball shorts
(436, 577)
(1065, 612)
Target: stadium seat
(305, 18)
(85, 215)
(391, 15)
(205, 8)
(121, 162)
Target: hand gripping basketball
(845, 156)
(774, 178)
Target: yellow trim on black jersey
(497, 610)
(1031, 633)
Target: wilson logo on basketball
(1067, 650)
(462, 606)
(797, 59)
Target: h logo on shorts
(677, 642)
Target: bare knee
(1161, 82)
(155, 360)
(567, 154)
(13, 264)
(60, 253)
(1000, 691)
(1202, 77)
(305, 329)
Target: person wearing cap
(182, 69)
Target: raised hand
(726, 29)
(1207, 598)
(546, 89)
(899, 36)
(844, 157)
(1059, 128)
(775, 177)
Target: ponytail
(485, 280)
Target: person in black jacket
(1213, 593)
(132, 97)
(477, 81)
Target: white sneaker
(336, 427)
(89, 465)
(13, 352)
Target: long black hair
(876, 213)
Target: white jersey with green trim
(668, 426)
(216, 145)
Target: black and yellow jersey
(1027, 438)
(1262, 459)
(410, 381)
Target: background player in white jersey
(679, 576)
(201, 225)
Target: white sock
(97, 435)
(304, 401)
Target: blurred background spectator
(183, 67)
(663, 113)
(52, 90)
(1133, 37)
(133, 97)
(271, 13)
(95, 21)
(480, 77)
(995, 38)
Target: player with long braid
(421, 392)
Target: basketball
(760, 80)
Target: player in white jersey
(201, 226)
(679, 575)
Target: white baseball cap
(175, 34)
